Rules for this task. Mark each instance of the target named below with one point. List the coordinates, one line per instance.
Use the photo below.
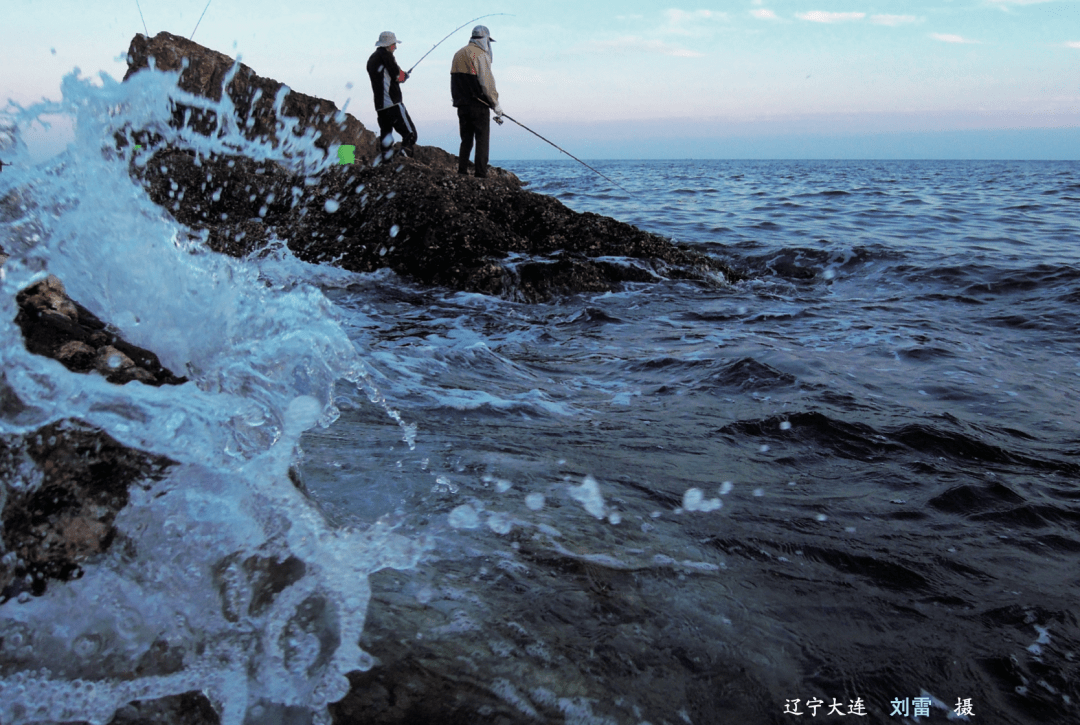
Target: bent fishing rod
(425, 55)
(575, 158)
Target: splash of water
(239, 587)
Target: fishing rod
(200, 18)
(575, 158)
(425, 55)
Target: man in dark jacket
(473, 89)
(386, 79)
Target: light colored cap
(481, 31)
(386, 39)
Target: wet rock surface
(477, 235)
(67, 482)
(416, 216)
(56, 326)
(264, 108)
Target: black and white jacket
(384, 71)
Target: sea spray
(228, 579)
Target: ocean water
(853, 479)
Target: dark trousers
(474, 122)
(396, 118)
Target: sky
(633, 79)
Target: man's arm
(487, 82)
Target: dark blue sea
(848, 487)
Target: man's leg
(386, 130)
(403, 124)
(482, 124)
(466, 130)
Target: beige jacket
(470, 76)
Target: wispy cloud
(691, 22)
(820, 16)
(948, 38)
(681, 16)
(1017, 2)
(763, 14)
(893, 20)
(1073, 44)
(634, 44)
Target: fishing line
(200, 18)
(425, 55)
(575, 158)
(142, 18)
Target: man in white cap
(473, 89)
(386, 79)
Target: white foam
(263, 354)
(588, 495)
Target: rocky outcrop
(416, 216)
(264, 108)
(488, 236)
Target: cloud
(633, 44)
(820, 16)
(763, 14)
(1017, 2)
(1073, 44)
(948, 38)
(893, 20)
(690, 22)
(681, 16)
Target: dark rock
(423, 222)
(56, 326)
(66, 483)
(190, 708)
(416, 216)
(204, 72)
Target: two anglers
(472, 87)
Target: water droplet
(725, 488)
(500, 523)
(464, 517)
(535, 501)
(786, 425)
(331, 206)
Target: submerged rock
(56, 326)
(65, 484)
(416, 216)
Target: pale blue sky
(636, 79)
